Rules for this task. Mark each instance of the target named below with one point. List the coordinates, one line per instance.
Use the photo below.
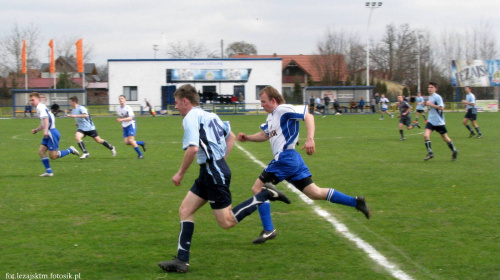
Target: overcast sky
(123, 29)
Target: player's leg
(476, 126)
(52, 143)
(334, 196)
(450, 144)
(427, 140)
(130, 140)
(79, 139)
(268, 230)
(42, 152)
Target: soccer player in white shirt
(51, 136)
(86, 127)
(471, 115)
(436, 122)
(210, 140)
(282, 131)
(385, 107)
(127, 118)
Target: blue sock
(138, 151)
(46, 163)
(63, 153)
(265, 216)
(185, 236)
(340, 198)
(140, 143)
(248, 206)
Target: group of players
(209, 140)
(436, 121)
(86, 127)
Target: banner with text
(475, 73)
(210, 75)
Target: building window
(130, 93)
(257, 92)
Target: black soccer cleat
(454, 155)
(361, 206)
(174, 265)
(274, 194)
(264, 236)
(472, 134)
(143, 146)
(429, 156)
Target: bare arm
(189, 157)
(257, 137)
(229, 144)
(310, 146)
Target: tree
(240, 47)
(103, 73)
(189, 49)
(65, 81)
(65, 47)
(297, 92)
(11, 47)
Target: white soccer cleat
(85, 155)
(113, 151)
(47, 174)
(74, 151)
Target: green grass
(115, 218)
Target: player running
(404, 116)
(471, 115)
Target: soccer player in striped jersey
(282, 131)
(210, 140)
(436, 122)
(51, 136)
(86, 127)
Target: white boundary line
(343, 230)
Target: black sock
(248, 206)
(428, 146)
(468, 128)
(478, 131)
(401, 132)
(82, 147)
(451, 146)
(107, 145)
(185, 236)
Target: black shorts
(216, 193)
(406, 120)
(301, 184)
(421, 111)
(471, 114)
(91, 133)
(441, 129)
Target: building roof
(305, 62)
(70, 66)
(38, 82)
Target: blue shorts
(129, 131)
(52, 141)
(384, 109)
(213, 183)
(290, 166)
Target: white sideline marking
(343, 230)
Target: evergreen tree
(297, 92)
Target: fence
(221, 109)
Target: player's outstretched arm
(310, 146)
(189, 157)
(257, 137)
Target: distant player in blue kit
(282, 130)
(471, 115)
(210, 140)
(436, 122)
(86, 127)
(404, 116)
(51, 135)
(127, 118)
(419, 100)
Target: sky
(123, 29)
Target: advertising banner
(475, 73)
(210, 75)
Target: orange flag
(52, 62)
(23, 58)
(79, 55)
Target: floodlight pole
(417, 35)
(371, 6)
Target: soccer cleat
(429, 156)
(392, 116)
(74, 151)
(381, 119)
(85, 155)
(402, 138)
(454, 155)
(264, 236)
(361, 206)
(274, 194)
(140, 157)
(480, 136)
(174, 265)
(47, 174)
(472, 134)
(417, 124)
(113, 151)
(143, 145)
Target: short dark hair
(74, 99)
(433, 84)
(189, 92)
(273, 93)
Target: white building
(157, 79)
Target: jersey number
(217, 129)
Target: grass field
(115, 218)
